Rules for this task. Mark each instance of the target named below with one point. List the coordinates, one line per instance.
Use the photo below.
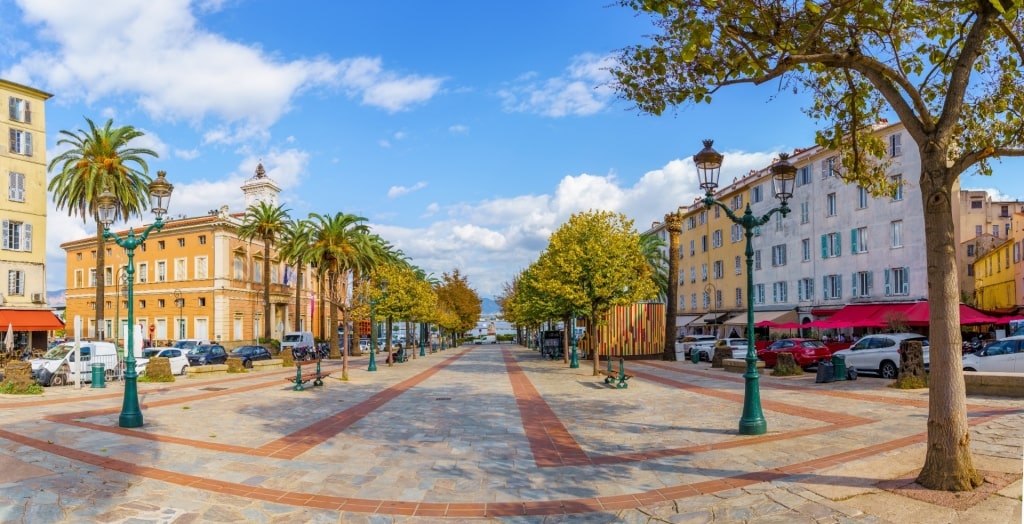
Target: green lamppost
(709, 163)
(422, 350)
(574, 360)
(373, 327)
(159, 198)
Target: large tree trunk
(298, 299)
(266, 289)
(948, 463)
(100, 280)
(674, 225)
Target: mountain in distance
(489, 307)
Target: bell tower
(260, 188)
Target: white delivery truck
(58, 367)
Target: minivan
(294, 339)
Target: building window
(739, 265)
(718, 268)
(830, 245)
(736, 202)
(78, 256)
(718, 212)
(757, 260)
(735, 233)
(718, 298)
(160, 244)
(702, 217)
(92, 277)
(758, 293)
(862, 284)
(894, 145)
(828, 167)
(779, 255)
(1004, 211)
(805, 289)
(79, 279)
(706, 300)
(160, 302)
(19, 110)
(970, 270)
(995, 230)
(757, 193)
(703, 243)
(976, 203)
(830, 205)
(897, 234)
(16, 187)
(273, 274)
(202, 240)
(739, 297)
(17, 236)
(181, 242)
(142, 246)
(833, 287)
(202, 301)
(978, 231)
(703, 272)
(805, 249)
(779, 292)
(693, 250)
(859, 240)
(862, 198)
(142, 304)
(239, 265)
(716, 238)
(20, 142)
(201, 265)
(897, 281)
(143, 272)
(693, 301)
(257, 271)
(693, 274)
(805, 212)
(15, 282)
(108, 276)
(803, 176)
(691, 223)
(161, 271)
(180, 269)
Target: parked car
(57, 367)
(188, 344)
(250, 353)
(1005, 355)
(707, 350)
(177, 357)
(806, 351)
(880, 354)
(364, 345)
(684, 344)
(207, 354)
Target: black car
(208, 354)
(250, 353)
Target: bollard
(98, 377)
(694, 355)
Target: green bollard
(694, 356)
(98, 376)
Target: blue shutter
(870, 278)
(824, 287)
(854, 287)
(839, 287)
(853, 241)
(906, 280)
(888, 286)
(839, 242)
(824, 246)
(810, 288)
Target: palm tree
(99, 159)
(294, 249)
(337, 246)
(266, 222)
(653, 251)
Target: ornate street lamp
(373, 327)
(574, 360)
(159, 198)
(709, 164)
(180, 324)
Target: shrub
(12, 388)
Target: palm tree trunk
(298, 299)
(100, 279)
(266, 288)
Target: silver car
(1004, 355)
(738, 345)
(880, 353)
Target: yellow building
(23, 250)
(994, 278)
(193, 279)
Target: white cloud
(187, 154)
(396, 191)
(458, 129)
(175, 70)
(581, 91)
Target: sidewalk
(494, 434)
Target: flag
(288, 275)
(312, 303)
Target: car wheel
(247, 364)
(184, 370)
(970, 369)
(887, 369)
(110, 374)
(58, 380)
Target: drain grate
(443, 398)
(212, 388)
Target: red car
(806, 351)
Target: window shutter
(824, 246)
(28, 113)
(12, 107)
(854, 287)
(26, 243)
(809, 292)
(888, 287)
(824, 168)
(824, 287)
(13, 147)
(906, 280)
(870, 278)
(839, 242)
(839, 287)
(853, 243)
(6, 225)
(12, 280)
(28, 144)
(11, 189)
(799, 290)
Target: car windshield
(292, 338)
(199, 350)
(813, 344)
(185, 344)
(150, 353)
(58, 352)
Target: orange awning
(30, 320)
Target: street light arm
(132, 241)
(747, 220)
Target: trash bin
(839, 367)
(98, 375)
(825, 372)
(694, 355)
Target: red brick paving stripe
(551, 443)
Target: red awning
(29, 320)
(919, 316)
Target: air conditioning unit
(38, 298)
(1, 300)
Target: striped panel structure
(636, 330)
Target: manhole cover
(443, 398)
(213, 388)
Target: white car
(707, 350)
(179, 362)
(880, 353)
(1004, 355)
(684, 344)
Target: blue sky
(464, 131)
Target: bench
(994, 383)
(616, 378)
(300, 378)
(739, 365)
(398, 356)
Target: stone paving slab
(486, 434)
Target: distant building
(23, 307)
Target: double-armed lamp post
(109, 207)
(709, 164)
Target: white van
(293, 339)
(57, 366)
